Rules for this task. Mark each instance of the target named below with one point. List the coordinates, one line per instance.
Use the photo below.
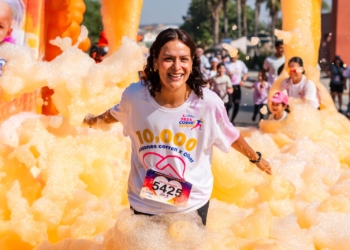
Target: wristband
(258, 160)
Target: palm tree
(257, 21)
(274, 7)
(257, 16)
(244, 17)
(239, 18)
(216, 7)
(224, 8)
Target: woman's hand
(90, 120)
(229, 90)
(264, 166)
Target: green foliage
(198, 24)
(325, 6)
(93, 19)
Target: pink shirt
(260, 94)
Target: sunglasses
(295, 70)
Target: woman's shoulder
(135, 86)
(285, 82)
(309, 81)
(209, 95)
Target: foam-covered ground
(67, 186)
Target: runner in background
(260, 93)
(273, 62)
(346, 74)
(279, 106)
(238, 72)
(297, 85)
(205, 65)
(338, 81)
(221, 85)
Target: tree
(239, 18)
(274, 7)
(93, 19)
(198, 21)
(257, 16)
(325, 6)
(244, 17)
(224, 9)
(216, 7)
(257, 21)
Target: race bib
(165, 189)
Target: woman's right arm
(106, 118)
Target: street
(244, 117)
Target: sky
(172, 11)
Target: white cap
(215, 59)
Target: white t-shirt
(305, 89)
(212, 73)
(221, 83)
(271, 64)
(237, 69)
(272, 117)
(179, 138)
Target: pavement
(244, 116)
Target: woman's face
(295, 71)
(260, 77)
(221, 70)
(214, 65)
(277, 108)
(174, 65)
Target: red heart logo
(171, 165)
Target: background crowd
(227, 75)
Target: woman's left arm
(242, 146)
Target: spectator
(338, 81)
(218, 56)
(221, 85)
(225, 56)
(298, 86)
(6, 17)
(238, 72)
(97, 53)
(346, 74)
(213, 69)
(273, 62)
(205, 65)
(260, 94)
(279, 106)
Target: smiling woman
(173, 63)
(171, 163)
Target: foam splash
(80, 85)
(231, 50)
(254, 40)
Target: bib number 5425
(167, 189)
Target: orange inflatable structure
(63, 19)
(44, 21)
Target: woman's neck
(297, 80)
(172, 99)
